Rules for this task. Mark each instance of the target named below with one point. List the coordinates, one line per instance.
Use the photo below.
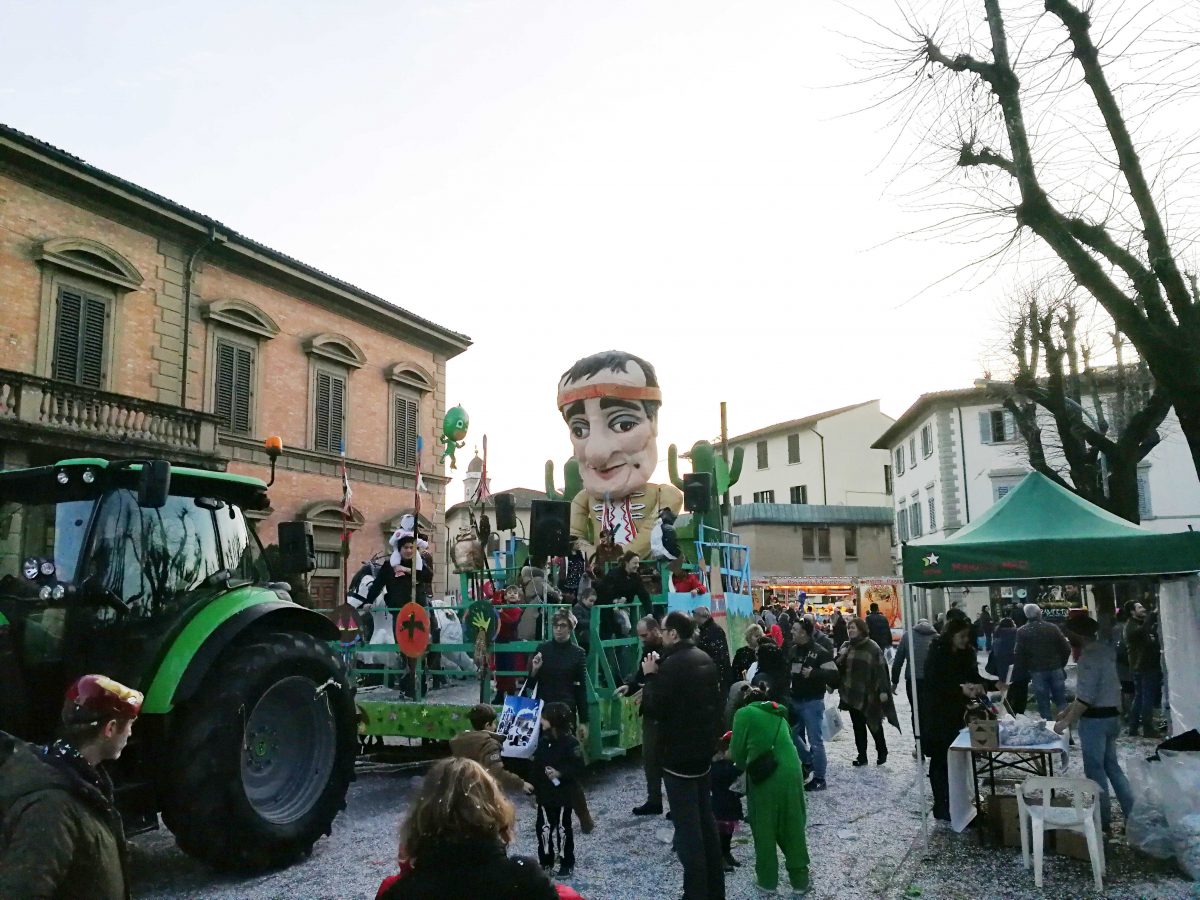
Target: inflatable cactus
(572, 482)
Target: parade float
(510, 585)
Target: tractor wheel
(262, 757)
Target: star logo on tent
(930, 560)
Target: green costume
(776, 808)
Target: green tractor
(154, 576)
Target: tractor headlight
(89, 476)
(60, 591)
(44, 593)
(30, 568)
(47, 567)
(62, 476)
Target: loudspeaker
(297, 553)
(697, 491)
(550, 528)
(506, 512)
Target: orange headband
(567, 396)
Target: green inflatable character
(454, 433)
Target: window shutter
(985, 427)
(337, 406)
(1010, 426)
(932, 515)
(902, 523)
(793, 448)
(226, 379)
(1143, 489)
(91, 350)
(321, 412)
(242, 383)
(404, 437)
(79, 338)
(67, 330)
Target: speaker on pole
(549, 528)
(506, 512)
(697, 491)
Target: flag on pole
(420, 450)
(347, 494)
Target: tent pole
(910, 619)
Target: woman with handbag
(762, 747)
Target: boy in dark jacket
(557, 763)
(727, 806)
(60, 833)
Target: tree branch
(985, 156)
(1162, 261)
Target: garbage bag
(1180, 777)
(1146, 828)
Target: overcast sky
(681, 180)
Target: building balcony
(38, 410)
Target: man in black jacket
(711, 639)
(879, 629)
(813, 673)
(682, 694)
(650, 633)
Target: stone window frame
(241, 323)
(337, 355)
(325, 516)
(67, 263)
(409, 381)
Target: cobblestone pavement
(864, 837)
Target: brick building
(133, 326)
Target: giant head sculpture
(610, 402)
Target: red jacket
(686, 582)
(564, 892)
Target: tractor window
(239, 547)
(153, 559)
(33, 534)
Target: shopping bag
(831, 725)
(520, 723)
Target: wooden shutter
(79, 338)
(330, 412)
(234, 380)
(985, 427)
(404, 435)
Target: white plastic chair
(1082, 816)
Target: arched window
(410, 382)
(332, 358)
(237, 330)
(83, 282)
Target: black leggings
(555, 835)
(859, 721)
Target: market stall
(1041, 531)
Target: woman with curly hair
(454, 842)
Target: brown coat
(484, 748)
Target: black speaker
(506, 512)
(297, 553)
(697, 491)
(549, 528)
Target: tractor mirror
(154, 484)
(297, 553)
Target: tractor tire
(261, 758)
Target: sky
(695, 183)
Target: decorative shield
(480, 616)
(412, 630)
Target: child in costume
(727, 805)
(557, 763)
(776, 807)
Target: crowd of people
(725, 742)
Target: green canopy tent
(1040, 530)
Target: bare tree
(1111, 236)
(1086, 427)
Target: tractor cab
(100, 564)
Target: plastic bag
(1024, 731)
(831, 726)
(1146, 828)
(1179, 774)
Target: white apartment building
(955, 453)
(824, 459)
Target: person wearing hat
(60, 833)
(407, 576)
(1096, 714)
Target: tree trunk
(1122, 497)
(1187, 409)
